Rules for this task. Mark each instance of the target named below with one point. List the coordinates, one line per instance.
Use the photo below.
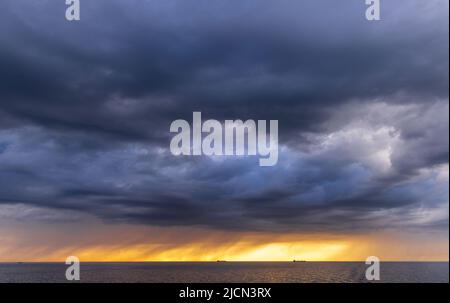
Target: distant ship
(299, 260)
(221, 261)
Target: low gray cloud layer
(85, 109)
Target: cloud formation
(85, 110)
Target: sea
(226, 272)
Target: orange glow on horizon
(283, 251)
(126, 243)
(311, 251)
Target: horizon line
(231, 261)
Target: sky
(86, 106)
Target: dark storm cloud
(362, 107)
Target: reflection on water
(227, 272)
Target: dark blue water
(346, 272)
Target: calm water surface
(227, 272)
